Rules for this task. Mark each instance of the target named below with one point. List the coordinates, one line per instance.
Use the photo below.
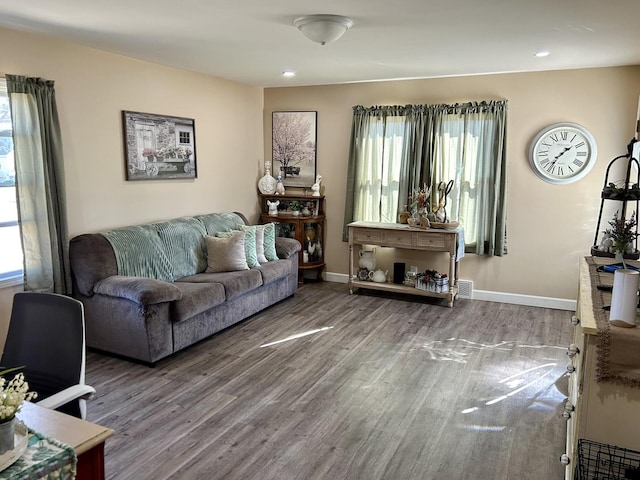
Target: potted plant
(12, 395)
(295, 207)
(623, 233)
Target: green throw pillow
(270, 242)
(259, 229)
(249, 244)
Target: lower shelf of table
(396, 288)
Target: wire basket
(599, 461)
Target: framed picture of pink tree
(294, 141)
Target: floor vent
(465, 289)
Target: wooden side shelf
(307, 229)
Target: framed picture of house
(159, 147)
(294, 141)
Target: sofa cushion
(226, 254)
(183, 240)
(249, 244)
(220, 222)
(273, 271)
(235, 283)
(145, 291)
(140, 253)
(196, 298)
(270, 242)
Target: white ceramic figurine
(273, 207)
(315, 188)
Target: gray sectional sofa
(146, 291)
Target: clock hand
(562, 153)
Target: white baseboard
(513, 298)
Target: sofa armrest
(145, 291)
(287, 247)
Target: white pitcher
(367, 259)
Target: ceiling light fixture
(323, 29)
(288, 73)
(542, 53)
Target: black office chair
(46, 338)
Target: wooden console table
(399, 235)
(86, 438)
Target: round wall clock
(563, 153)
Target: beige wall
(549, 226)
(92, 89)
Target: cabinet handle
(573, 350)
(564, 459)
(571, 369)
(575, 320)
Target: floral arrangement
(174, 152)
(12, 395)
(419, 200)
(622, 232)
(148, 152)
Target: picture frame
(159, 147)
(294, 147)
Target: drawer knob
(564, 459)
(575, 320)
(571, 369)
(573, 350)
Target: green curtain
(39, 184)
(462, 142)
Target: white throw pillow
(260, 244)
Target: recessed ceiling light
(542, 53)
(288, 73)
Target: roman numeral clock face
(562, 153)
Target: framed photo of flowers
(293, 145)
(159, 147)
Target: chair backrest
(46, 336)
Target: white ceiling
(254, 41)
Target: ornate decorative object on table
(315, 188)
(267, 184)
(279, 186)
(12, 395)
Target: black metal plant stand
(626, 193)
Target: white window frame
(14, 277)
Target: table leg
(350, 269)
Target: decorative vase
(7, 435)
(267, 184)
(367, 259)
(403, 216)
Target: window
(184, 138)
(11, 258)
(397, 149)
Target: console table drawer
(435, 240)
(362, 235)
(398, 239)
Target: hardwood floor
(386, 388)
